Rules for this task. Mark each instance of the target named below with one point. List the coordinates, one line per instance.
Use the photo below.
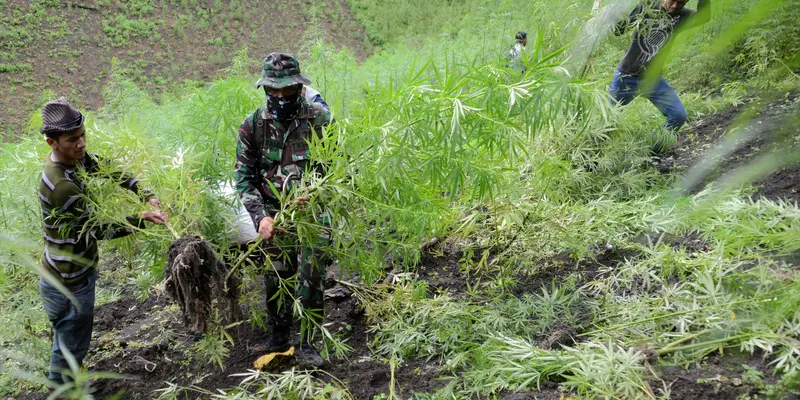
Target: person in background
(518, 52)
(655, 22)
(272, 152)
(313, 96)
(70, 241)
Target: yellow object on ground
(264, 360)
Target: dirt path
(772, 129)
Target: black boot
(308, 356)
(279, 315)
(279, 336)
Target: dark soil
(717, 378)
(69, 48)
(771, 129)
(691, 242)
(442, 271)
(149, 341)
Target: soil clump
(195, 278)
(717, 377)
(770, 131)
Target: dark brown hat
(58, 116)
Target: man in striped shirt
(70, 239)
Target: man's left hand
(156, 217)
(160, 214)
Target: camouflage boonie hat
(281, 70)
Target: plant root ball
(561, 335)
(194, 279)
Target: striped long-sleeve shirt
(70, 250)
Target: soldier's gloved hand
(266, 228)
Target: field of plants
(495, 236)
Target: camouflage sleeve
(248, 160)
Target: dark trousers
(625, 88)
(72, 323)
(286, 260)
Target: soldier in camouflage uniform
(273, 149)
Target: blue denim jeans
(72, 325)
(625, 88)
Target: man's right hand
(156, 217)
(266, 228)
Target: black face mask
(284, 108)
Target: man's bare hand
(156, 217)
(266, 228)
(155, 203)
(302, 200)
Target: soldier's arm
(248, 160)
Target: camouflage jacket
(274, 151)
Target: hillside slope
(68, 47)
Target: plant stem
(256, 244)
(684, 339)
(698, 345)
(627, 324)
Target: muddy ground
(763, 129)
(148, 340)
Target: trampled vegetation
(465, 222)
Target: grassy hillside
(72, 48)
(476, 254)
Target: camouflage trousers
(308, 263)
